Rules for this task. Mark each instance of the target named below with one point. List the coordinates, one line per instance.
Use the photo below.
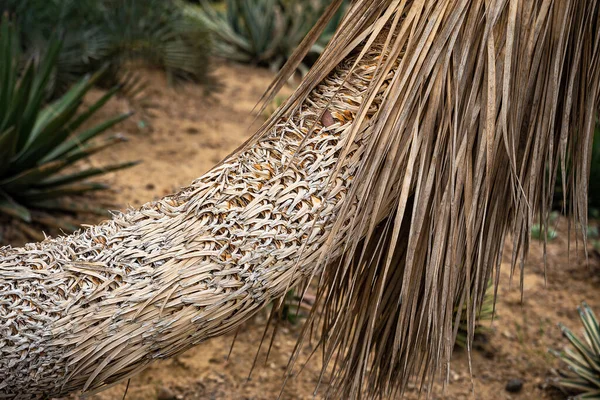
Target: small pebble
(454, 376)
(514, 385)
(166, 394)
(150, 186)
(508, 335)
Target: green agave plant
(583, 359)
(158, 33)
(112, 33)
(39, 142)
(262, 32)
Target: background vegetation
(39, 142)
(263, 32)
(112, 33)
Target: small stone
(192, 130)
(508, 335)
(150, 186)
(454, 376)
(540, 383)
(514, 386)
(166, 394)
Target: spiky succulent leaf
(10, 207)
(263, 32)
(582, 375)
(38, 141)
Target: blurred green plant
(484, 314)
(264, 32)
(593, 234)
(40, 142)
(536, 232)
(115, 33)
(292, 308)
(277, 101)
(583, 359)
(593, 186)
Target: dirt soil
(187, 133)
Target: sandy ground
(187, 134)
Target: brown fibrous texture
(83, 311)
(446, 124)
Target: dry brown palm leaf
(426, 133)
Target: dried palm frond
(483, 318)
(487, 97)
(422, 136)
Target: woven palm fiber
(83, 311)
(445, 136)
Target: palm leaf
(458, 155)
(425, 131)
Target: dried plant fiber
(426, 133)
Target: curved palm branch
(420, 138)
